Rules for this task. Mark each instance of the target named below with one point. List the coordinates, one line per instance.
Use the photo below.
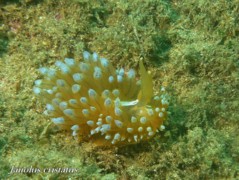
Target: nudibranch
(100, 104)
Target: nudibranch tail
(100, 104)
(146, 91)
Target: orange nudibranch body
(100, 104)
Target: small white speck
(105, 93)
(68, 112)
(50, 107)
(143, 120)
(92, 132)
(111, 79)
(150, 112)
(117, 136)
(118, 111)
(63, 105)
(56, 101)
(58, 120)
(149, 129)
(86, 55)
(140, 129)
(92, 108)
(123, 138)
(151, 133)
(75, 88)
(130, 130)
(90, 123)
(121, 72)
(108, 102)
(95, 56)
(62, 66)
(116, 92)
(107, 137)
(74, 133)
(104, 62)
(119, 78)
(131, 74)
(84, 67)
(38, 82)
(43, 70)
(118, 123)
(85, 112)
(162, 127)
(97, 73)
(77, 77)
(69, 61)
(105, 128)
(133, 119)
(60, 82)
(49, 91)
(75, 127)
(156, 98)
(51, 72)
(92, 93)
(83, 100)
(108, 119)
(99, 123)
(37, 90)
(73, 102)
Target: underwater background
(191, 48)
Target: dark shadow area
(3, 44)
(160, 51)
(30, 2)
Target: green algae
(189, 46)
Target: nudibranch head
(100, 104)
